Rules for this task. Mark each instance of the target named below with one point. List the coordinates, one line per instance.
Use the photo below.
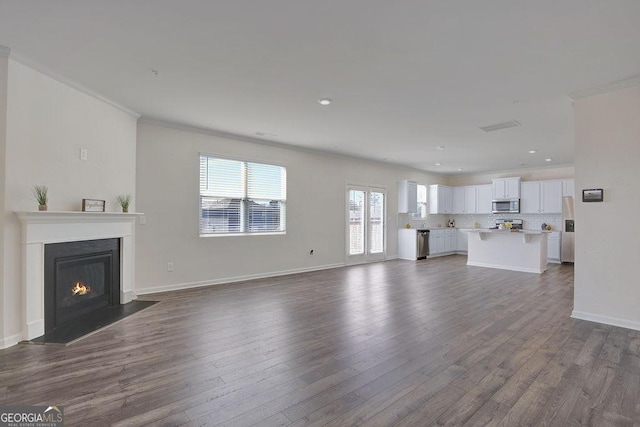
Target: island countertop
(493, 230)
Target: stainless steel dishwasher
(423, 244)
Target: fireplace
(80, 279)
(42, 229)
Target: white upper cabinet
(464, 199)
(568, 188)
(458, 199)
(470, 199)
(440, 199)
(541, 197)
(506, 188)
(473, 199)
(551, 197)
(484, 197)
(530, 197)
(407, 197)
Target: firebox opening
(81, 278)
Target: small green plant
(124, 200)
(40, 192)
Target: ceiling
(405, 77)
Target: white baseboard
(127, 296)
(34, 329)
(447, 254)
(613, 321)
(504, 267)
(10, 341)
(202, 283)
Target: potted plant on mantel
(42, 197)
(124, 201)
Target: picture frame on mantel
(93, 205)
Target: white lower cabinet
(450, 242)
(447, 241)
(462, 241)
(436, 242)
(553, 247)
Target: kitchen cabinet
(530, 197)
(450, 240)
(568, 188)
(541, 197)
(484, 197)
(464, 199)
(553, 247)
(436, 242)
(407, 197)
(462, 243)
(506, 188)
(407, 243)
(445, 241)
(440, 199)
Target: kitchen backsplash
(531, 222)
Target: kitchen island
(521, 250)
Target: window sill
(276, 233)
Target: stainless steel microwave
(506, 206)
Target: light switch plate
(83, 154)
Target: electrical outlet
(143, 220)
(169, 266)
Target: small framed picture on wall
(592, 195)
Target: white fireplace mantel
(41, 228)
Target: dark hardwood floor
(395, 343)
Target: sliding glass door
(366, 227)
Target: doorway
(366, 224)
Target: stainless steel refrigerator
(568, 237)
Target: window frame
(244, 209)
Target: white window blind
(241, 197)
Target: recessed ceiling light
(460, 169)
(532, 151)
(325, 101)
(440, 147)
(547, 160)
(437, 163)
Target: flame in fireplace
(80, 289)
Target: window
(422, 202)
(241, 197)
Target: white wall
(167, 188)
(4, 71)
(607, 271)
(47, 124)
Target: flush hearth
(80, 279)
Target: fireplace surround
(40, 229)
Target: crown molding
(281, 145)
(625, 83)
(5, 51)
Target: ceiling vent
(498, 126)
